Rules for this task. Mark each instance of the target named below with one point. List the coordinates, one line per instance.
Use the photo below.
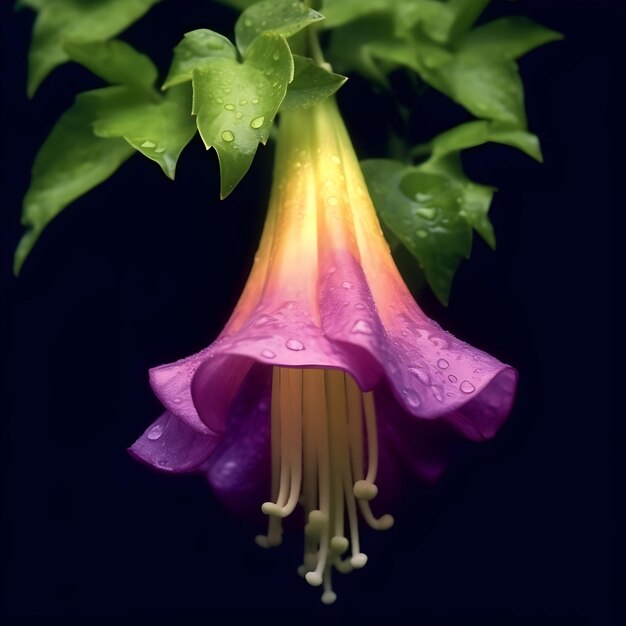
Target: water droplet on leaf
(257, 122)
(227, 136)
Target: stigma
(325, 459)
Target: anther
(365, 490)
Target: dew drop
(238, 115)
(148, 144)
(346, 284)
(276, 56)
(229, 107)
(467, 387)
(294, 344)
(362, 327)
(268, 354)
(160, 150)
(257, 122)
(219, 100)
(443, 364)
(359, 305)
(452, 378)
(437, 393)
(412, 398)
(243, 102)
(427, 213)
(255, 101)
(335, 159)
(227, 136)
(155, 432)
(422, 234)
(421, 373)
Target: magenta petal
(172, 385)
(169, 444)
(239, 470)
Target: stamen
(318, 423)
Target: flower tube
(328, 384)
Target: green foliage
(159, 130)
(59, 21)
(235, 103)
(431, 210)
(71, 161)
(115, 62)
(235, 93)
(196, 51)
(281, 17)
(311, 84)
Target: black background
(143, 271)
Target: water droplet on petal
(335, 159)
(359, 306)
(362, 327)
(452, 378)
(257, 122)
(294, 344)
(443, 364)
(155, 432)
(437, 393)
(467, 387)
(421, 373)
(412, 398)
(346, 284)
(227, 136)
(268, 354)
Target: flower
(328, 382)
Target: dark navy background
(525, 531)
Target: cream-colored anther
(320, 423)
(364, 490)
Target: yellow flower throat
(323, 435)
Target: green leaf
(474, 199)
(235, 103)
(508, 38)
(434, 18)
(311, 84)
(357, 46)
(340, 12)
(476, 133)
(114, 61)
(281, 17)
(71, 161)
(487, 88)
(466, 13)
(76, 20)
(159, 130)
(198, 49)
(422, 210)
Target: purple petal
(169, 444)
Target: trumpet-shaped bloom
(328, 383)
